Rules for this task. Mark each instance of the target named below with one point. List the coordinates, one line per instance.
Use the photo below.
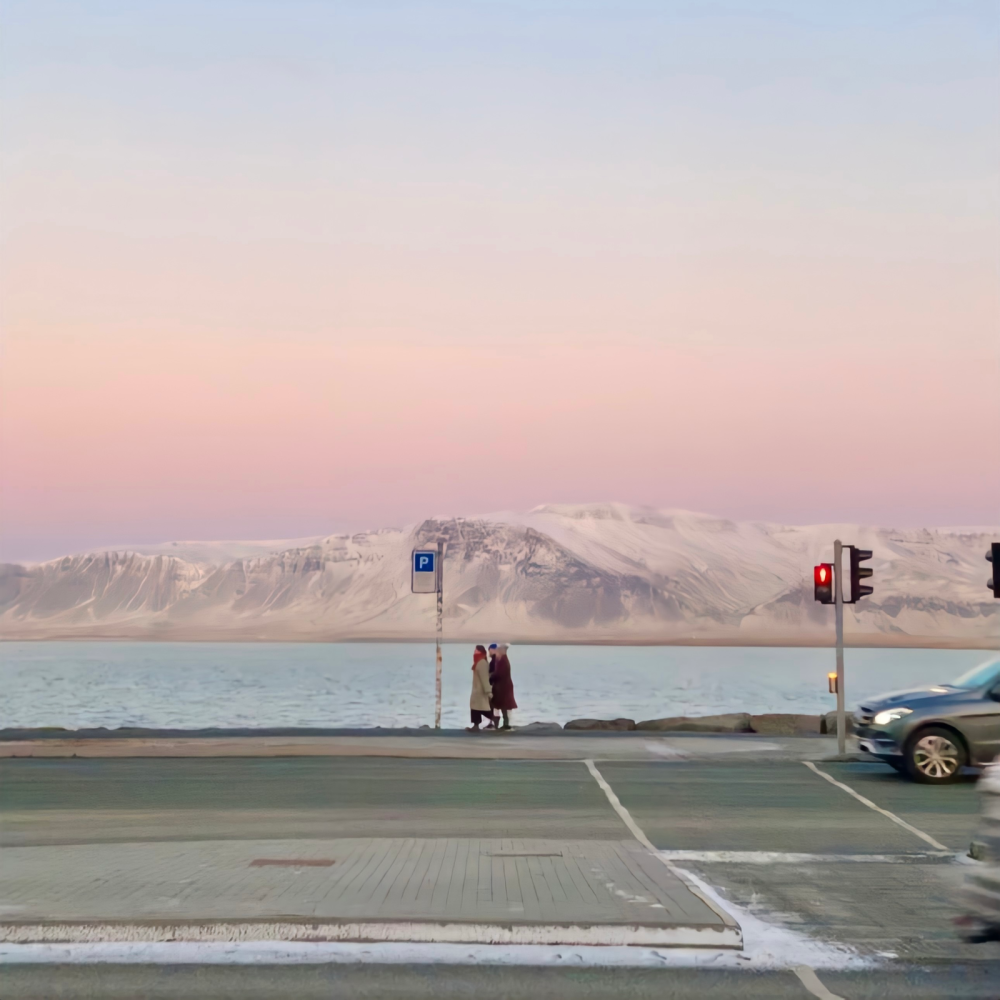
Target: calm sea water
(76, 684)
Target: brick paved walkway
(446, 880)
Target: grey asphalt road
(106, 800)
(899, 907)
(426, 982)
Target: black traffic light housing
(823, 583)
(993, 556)
(859, 573)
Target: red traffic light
(823, 583)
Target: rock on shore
(614, 725)
(772, 724)
(736, 722)
(540, 727)
(785, 725)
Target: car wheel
(935, 756)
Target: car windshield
(978, 676)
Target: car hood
(910, 696)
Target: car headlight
(890, 715)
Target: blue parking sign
(425, 571)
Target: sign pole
(440, 630)
(427, 577)
(838, 581)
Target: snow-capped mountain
(565, 573)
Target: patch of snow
(772, 946)
(776, 953)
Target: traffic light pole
(440, 630)
(838, 588)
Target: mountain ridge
(603, 572)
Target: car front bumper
(877, 742)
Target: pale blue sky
(885, 109)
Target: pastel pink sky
(249, 291)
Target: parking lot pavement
(731, 804)
(67, 801)
(784, 806)
(946, 812)
(856, 878)
(895, 898)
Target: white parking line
(811, 982)
(797, 858)
(926, 837)
(625, 815)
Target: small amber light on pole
(832, 679)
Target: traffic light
(993, 556)
(859, 573)
(823, 583)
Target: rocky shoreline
(772, 724)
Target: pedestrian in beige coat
(479, 700)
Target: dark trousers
(478, 717)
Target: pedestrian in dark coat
(503, 685)
(494, 714)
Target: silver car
(931, 733)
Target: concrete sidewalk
(378, 889)
(474, 746)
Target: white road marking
(926, 837)
(793, 858)
(663, 749)
(626, 816)
(811, 982)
